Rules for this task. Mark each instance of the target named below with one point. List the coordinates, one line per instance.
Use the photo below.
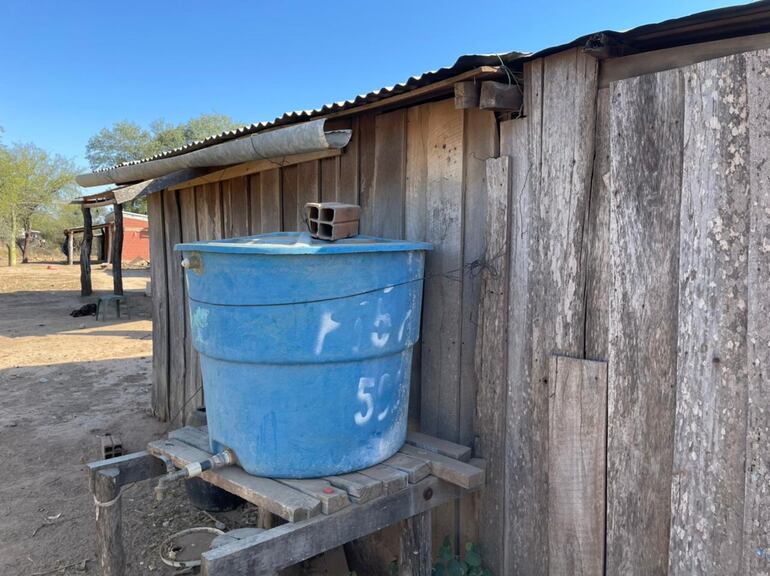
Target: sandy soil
(64, 382)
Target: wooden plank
(133, 467)
(389, 165)
(616, 69)
(274, 497)
(158, 285)
(415, 181)
(597, 254)
(439, 446)
(708, 483)
(291, 543)
(271, 201)
(646, 140)
(256, 167)
(235, 204)
(415, 557)
(440, 379)
(449, 469)
(416, 171)
(756, 516)
(329, 179)
(442, 292)
(359, 487)
(392, 479)
(366, 189)
(415, 469)
(561, 116)
(332, 499)
(255, 204)
(491, 359)
(307, 190)
(347, 185)
(289, 201)
(193, 436)
(177, 308)
(576, 466)
(481, 141)
(208, 200)
(467, 94)
(521, 417)
(500, 97)
(193, 384)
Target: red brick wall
(136, 239)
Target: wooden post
(85, 254)
(109, 533)
(70, 248)
(109, 233)
(117, 249)
(416, 558)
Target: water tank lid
(300, 243)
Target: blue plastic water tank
(305, 348)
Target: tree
(126, 141)
(31, 180)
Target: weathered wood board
(576, 466)
(387, 200)
(597, 252)
(273, 496)
(160, 301)
(646, 139)
(710, 439)
(439, 446)
(561, 119)
(756, 516)
(235, 207)
(519, 456)
(270, 201)
(193, 383)
(440, 352)
(289, 200)
(177, 310)
(492, 361)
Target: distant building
(136, 235)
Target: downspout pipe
(295, 139)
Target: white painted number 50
(366, 398)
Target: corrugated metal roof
(463, 64)
(743, 20)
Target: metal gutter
(290, 140)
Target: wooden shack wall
(621, 401)
(635, 392)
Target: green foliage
(126, 141)
(450, 565)
(32, 181)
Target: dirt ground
(65, 381)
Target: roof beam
(614, 69)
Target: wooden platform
(322, 513)
(295, 500)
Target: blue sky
(72, 67)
